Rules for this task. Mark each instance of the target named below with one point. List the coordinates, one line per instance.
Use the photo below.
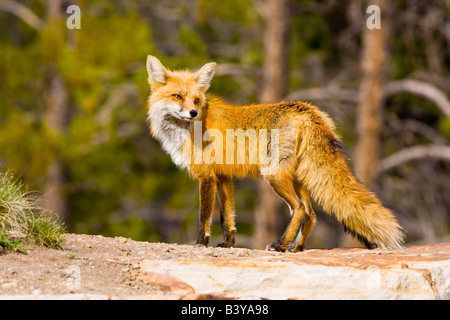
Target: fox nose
(193, 113)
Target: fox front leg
(226, 203)
(207, 188)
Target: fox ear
(157, 73)
(205, 75)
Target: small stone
(9, 285)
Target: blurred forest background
(73, 106)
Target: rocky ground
(97, 267)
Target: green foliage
(15, 204)
(7, 243)
(20, 213)
(132, 227)
(191, 40)
(236, 11)
(45, 230)
(444, 128)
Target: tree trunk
(56, 115)
(274, 88)
(56, 119)
(374, 63)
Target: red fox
(292, 144)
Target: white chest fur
(173, 134)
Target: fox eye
(197, 100)
(177, 96)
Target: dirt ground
(94, 265)
(97, 267)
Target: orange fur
(310, 158)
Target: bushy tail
(324, 171)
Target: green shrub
(20, 213)
(7, 243)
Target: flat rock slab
(412, 273)
(97, 267)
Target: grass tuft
(46, 230)
(20, 213)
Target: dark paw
(223, 245)
(228, 240)
(202, 240)
(294, 248)
(227, 243)
(275, 246)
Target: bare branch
(414, 153)
(417, 87)
(411, 125)
(22, 12)
(325, 93)
(420, 88)
(425, 130)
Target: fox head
(180, 94)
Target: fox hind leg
(306, 225)
(284, 187)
